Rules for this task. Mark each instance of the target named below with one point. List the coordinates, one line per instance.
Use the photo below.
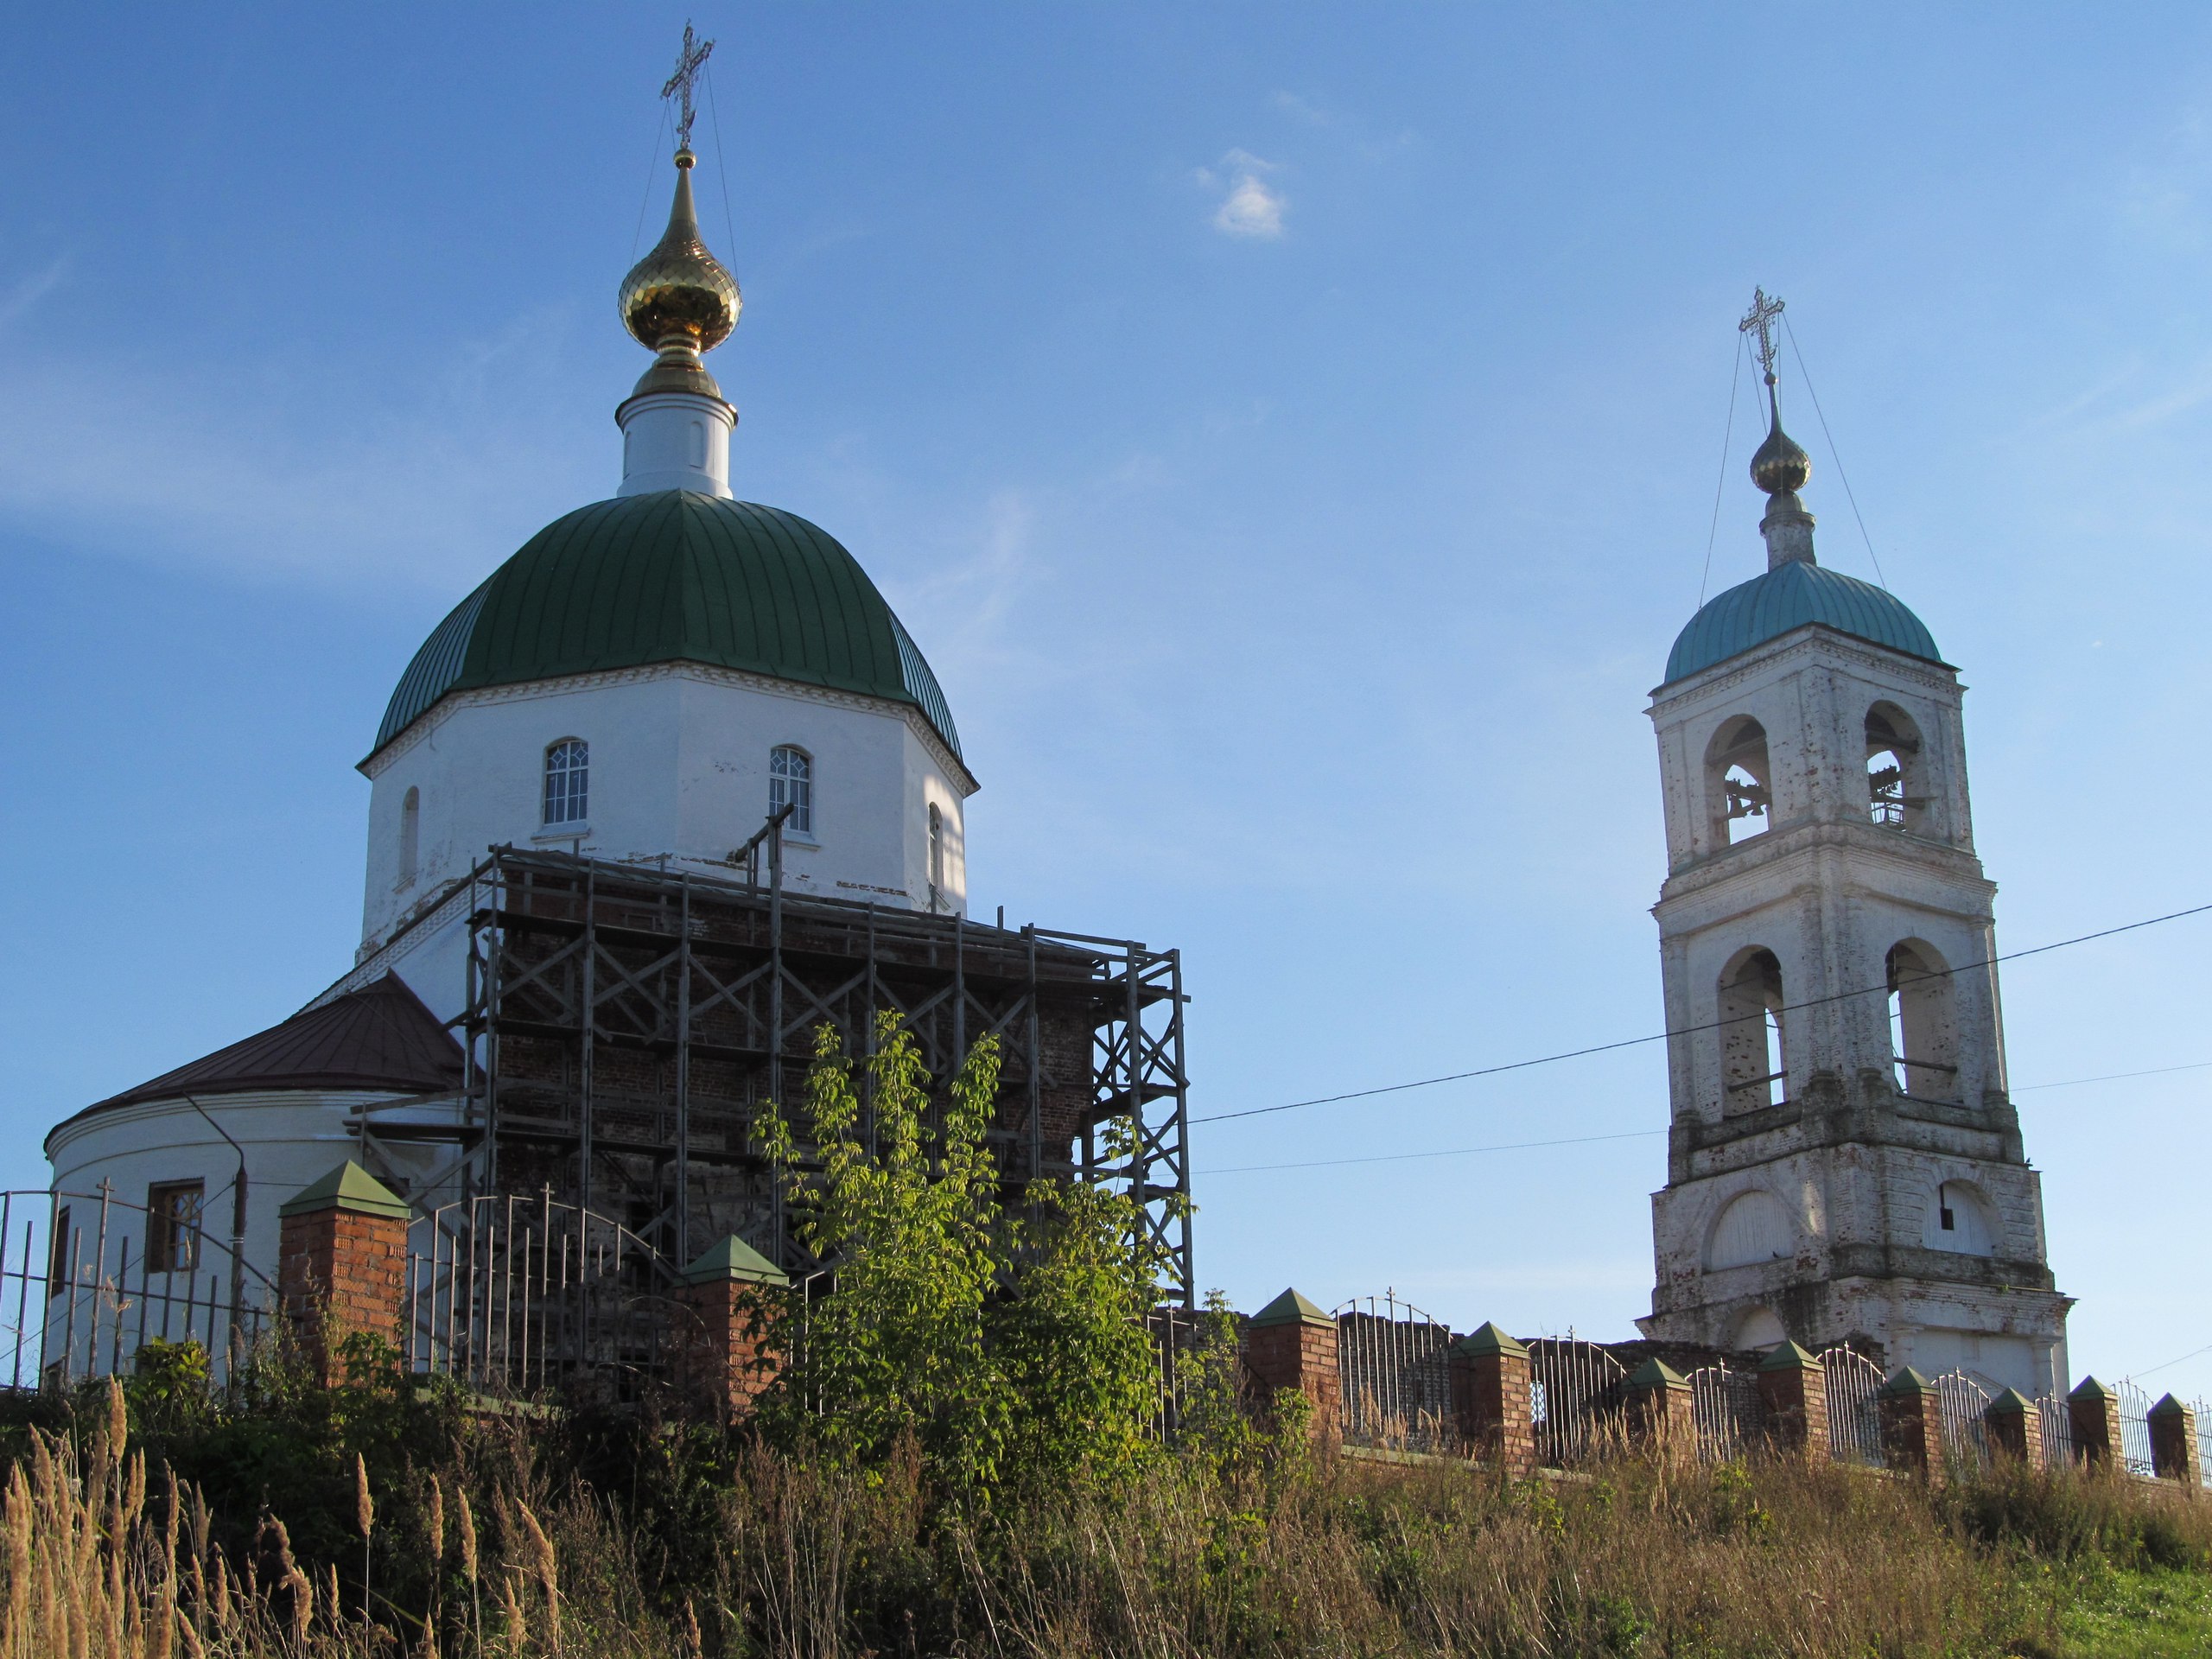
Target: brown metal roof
(379, 1037)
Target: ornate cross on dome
(688, 62)
(1762, 316)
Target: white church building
(647, 680)
(1844, 1162)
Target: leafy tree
(1010, 1349)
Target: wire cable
(646, 198)
(1686, 1031)
(1448, 1151)
(1719, 484)
(1834, 453)
(721, 174)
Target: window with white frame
(567, 773)
(791, 783)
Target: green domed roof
(669, 577)
(1790, 597)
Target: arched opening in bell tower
(1754, 1056)
(1923, 1022)
(1897, 789)
(1737, 781)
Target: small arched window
(410, 835)
(1896, 792)
(1753, 1228)
(1754, 1059)
(791, 783)
(1737, 781)
(1923, 1022)
(937, 859)
(568, 779)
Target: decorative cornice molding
(1808, 640)
(375, 765)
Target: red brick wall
(723, 1361)
(1301, 1356)
(1491, 1399)
(339, 1272)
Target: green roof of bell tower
(667, 577)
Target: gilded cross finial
(688, 62)
(1765, 312)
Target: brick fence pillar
(1660, 1411)
(1794, 1385)
(724, 1361)
(2094, 1411)
(341, 1264)
(2015, 1426)
(1492, 1403)
(1291, 1344)
(1912, 1425)
(2173, 1443)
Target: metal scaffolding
(624, 1025)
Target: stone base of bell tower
(1907, 1227)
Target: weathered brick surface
(2094, 1411)
(339, 1272)
(2015, 1428)
(1662, 1414)
(1912, 1427)
(2173, 1443)
(1797, 1398)
(1301, 1356)
(723, 1361)
(1492, 1403)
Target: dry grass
(1332, 1556)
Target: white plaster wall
(679, 769)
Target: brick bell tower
(1844, 1161)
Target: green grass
(2110, 1613)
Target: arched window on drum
(568, 780)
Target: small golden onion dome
(679, 294)
(1780, 467)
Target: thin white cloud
(21, 295)
(1249, 207)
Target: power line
(1449, 1152)
(1834, 453)
(1630, 1135)
(1686, 1031)
(721, 174)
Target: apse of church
(1844, 1162)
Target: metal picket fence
(2203, 1412)
(1729, 1411)
(2057, 1423)
(87, 1281)
(1576, 1395)
(1963, 1398)
(1394, 1375)
(2134, 1427)
(1853, 1383)
(528, 1295)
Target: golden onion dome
(679, 295)
(1780, 467)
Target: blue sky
(1293, 434)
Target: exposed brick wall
(1492, 1405)
(1912, 1427)
(2094, 1411)
(722, 1360)
(2173, 1442)
(1301, 1356)
(2015, 1428)
(1797, 1398)
(339, 1272)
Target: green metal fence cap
(1291, 1308)
(734, 1258)
(2089, 1389)
(1908, 1380)
(347, 1187)
(1486, 1340)
(1788, 1356)
(1656, 1374)
(2010, 1403)
(2168, 1407)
